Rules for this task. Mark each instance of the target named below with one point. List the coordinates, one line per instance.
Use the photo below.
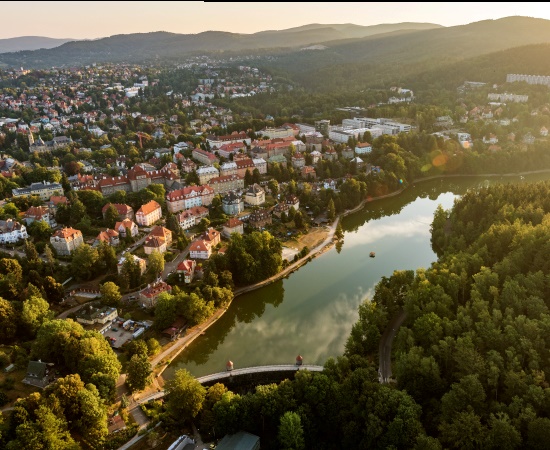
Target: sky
(90, 20)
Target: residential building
(228, 168)
(218, 141)
(148, 214)
(204, 157)
(162, 232)
(189, 197)
(191, 216)
(232, 203)
(226, 183)
(90, 315)
(66, 240)
(260, 218)
(233, 225)
(187, 268)
(244, 165)
(298, 160)
(308, 172)
(43, 189)
(260, 164)
(124, 211)
(38, 374)
(255, 195)
(12, 231)
(38, 213)
(148, 296)
(121, 227)
(200, 249)
(363, 147)
(206, 173)
(154, 243)
(110, 237)
(293, 202)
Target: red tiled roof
(148, 208)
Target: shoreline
(182, 343)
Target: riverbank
(182, 343)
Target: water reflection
(311, 312)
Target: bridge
(235, 373)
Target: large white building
(188, 197)
(529, 79)
(11, 231)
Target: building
(293, 202)
(261, 165)
(241, 441)
(12, 231)
(200, 249)
(244, 165)
(110, 237)
(232, 204)
(226, 183)
(38, 213)
(38, 374)
(260, 218)
(191, 216)
(255, 195)
(159, 239)
(148, 296)
(228, 168)
(189, 197)
(66, 240)
(124, 211)
(187, 269)
(126, 224)
(529, 79)
(218, 141)
(204, 157)
(363, 147)
(43, 189)
(206, 173)
(281, 132)
(233, 225)
(308, 172)
(148, 214)
(90, 315)
(140, 261)
(298, 160)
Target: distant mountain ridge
(30, 43)
(157, 45)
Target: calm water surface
(311, 312)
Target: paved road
(386, 341)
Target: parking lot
(120, 335)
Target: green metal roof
(239, 441)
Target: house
(260, 218)
(187, 165)
(121, 227)
(187, 268)
(233, 225)
(244, 165)
(100, 318)
(241, 440)
(280, 208)
(124, 211)
(148, 296)
(191, 216)
(232, 203)
(308, 172)
(330, 154)
(260, 164)
(148, 214)
(362, 148)
(255, 195)
(154, 243)
(38, 213)
(491, 139)
(212, 236)
(66, 240)
(228, 168)
(38, 374)
(543, 131)
(116, 423)
(293, 202)
(141, 262)
(200, 249)
(298, 160)
(110, 237)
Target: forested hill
(29, 43)
(142, 47)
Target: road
(386, 341)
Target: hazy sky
(83, 20)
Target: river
(311, 312)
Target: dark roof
(37, 369)
(239, 441)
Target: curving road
(386, 341)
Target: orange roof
(67, 233)
(232, 223)
(148, 208)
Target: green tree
(291, 433)
(111, 216)
(156, 262)
(185, 396)
(9, 319)
(273, 186)
(49, 257)
(84, 262)
(54, 291)
(110, 294)
(35, 312)
(331, 210)
(139, 373)
(153, 346)
(299, 220)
